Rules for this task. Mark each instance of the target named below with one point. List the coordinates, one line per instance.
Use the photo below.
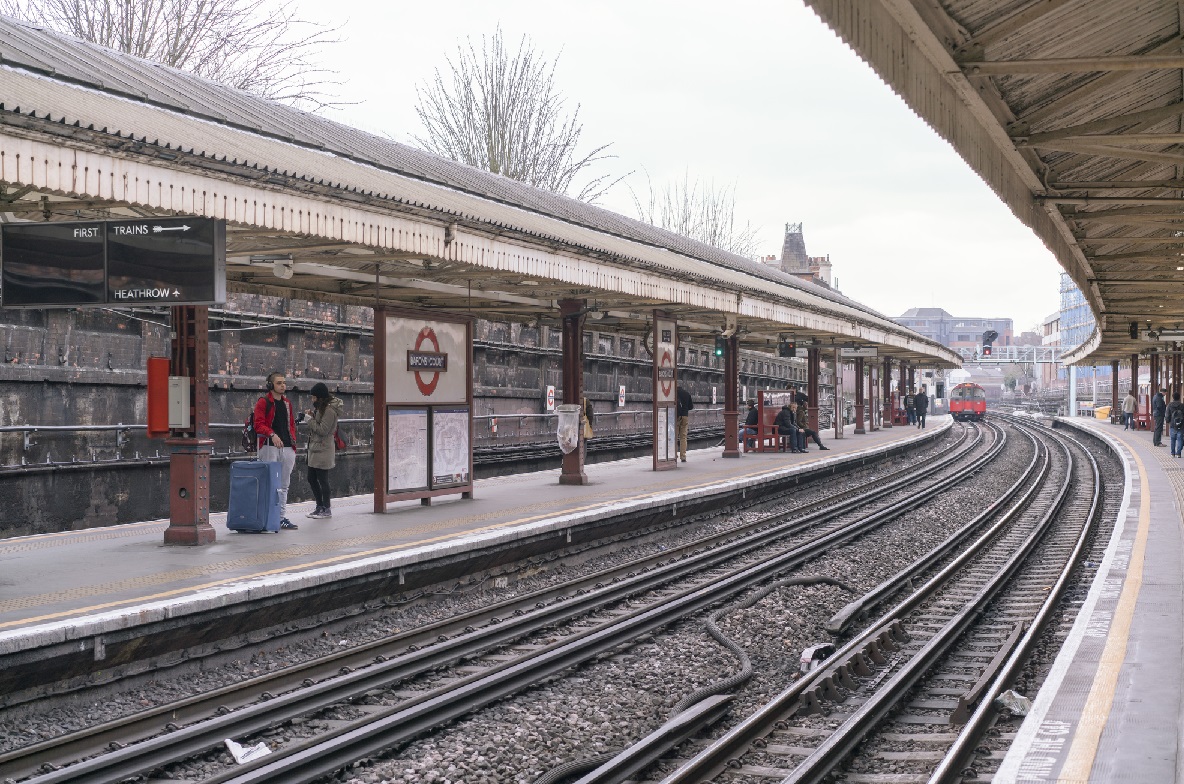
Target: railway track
(501, 644)
(911, 696)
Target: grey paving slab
(111, 576)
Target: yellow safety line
(1084, 749)
(347, 557)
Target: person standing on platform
(910, 412)
(801, 398)
(275, 422)
(684, 406)
(921, 406)
(1128, 410)
(586, 414)
(321, 421)
(1175, 418)
(1159, 405)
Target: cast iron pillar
(1153, 370)
(732, 397)
(912, 379)
(189, 457)
(1115, 410)
(813, 371)
(572, 312)
(887, 386)
(859, 397)
(1175, 370)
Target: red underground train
(968, 401)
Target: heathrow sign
(158, 261)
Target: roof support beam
(1073, 65)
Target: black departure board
(164, 261)
(46, 265)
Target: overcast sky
(758, 95)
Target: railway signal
(987, 350)
(721, 345)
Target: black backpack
(250, 435)
(1178, 418)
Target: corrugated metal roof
(74, 82)
(1034, 97)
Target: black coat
(751, 419)
(785, 421)
(685, 404)
(920, 402)
(1158, 405)
(1172, 410)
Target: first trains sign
(165, 261)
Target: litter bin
(568, 431)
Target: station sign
(856, 353)
(550, 398)
(146, 261)
(621, 396)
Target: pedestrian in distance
(787, 427)
(909, 410)
(275, 423)
(586, 414)
(1175, 419)
(804, 431)
(801, 398)
(321, 421)
(1159, 405)
(921, 406)
(684, 404)
(1128, 410)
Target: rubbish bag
(1014, 703)
(568, 432)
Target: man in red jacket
(275, 422)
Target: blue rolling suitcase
(254, 497)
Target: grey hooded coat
(321, 451)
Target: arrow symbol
(159, 229)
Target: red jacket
(265, 417)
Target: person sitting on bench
(787, 427)
(804, 430)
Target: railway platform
(77, 602)
(1110, 708)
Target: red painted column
(813, 371)
(887, 392)
(859, 397)
(189, 458)
(572, 312)
(732, 397)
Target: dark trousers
(1157, 436)
(319, 479)
(805, 433)
(793, 435)
(921, 418)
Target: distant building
(1077, 321)
(795, 261)
(1052, 376)
(955, 331)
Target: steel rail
(500, 632)
(851, 656)
(949, 770)
(817, 767)
(324, 756)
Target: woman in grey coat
(322, 448)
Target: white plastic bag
(243, 754)
(568, 432)
(1014, 703)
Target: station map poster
(407, 449)
(450, 447)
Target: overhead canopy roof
(1071, 111)
(86, 131)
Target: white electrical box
(179, 402)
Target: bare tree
(263, 48)
(501, 111)
(698, 210)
